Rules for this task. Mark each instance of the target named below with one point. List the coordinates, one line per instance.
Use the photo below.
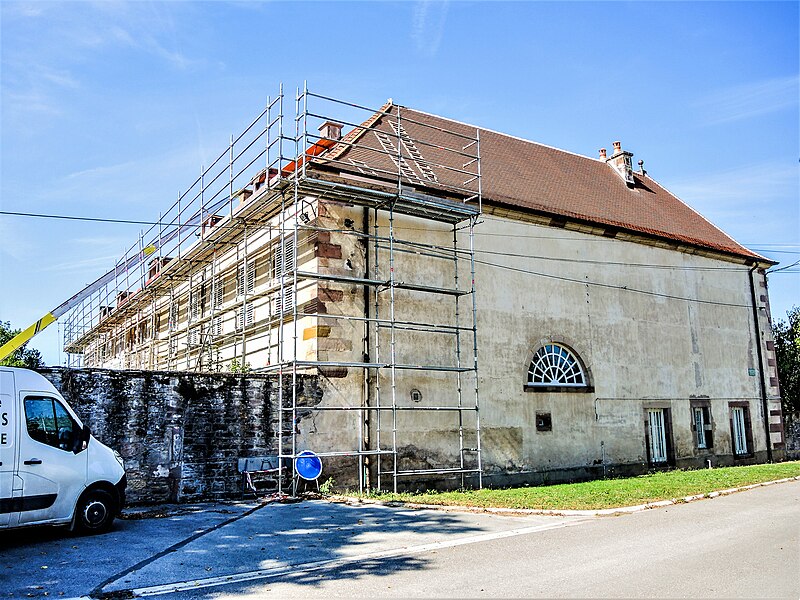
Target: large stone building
(475, 305)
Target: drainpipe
(761, 374)
(367, 351)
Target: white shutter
(173, 315)
(240, 281)
(251, 276)
(219, 292)
(249, 315)
(285, 256)
(194, 305)
(283, 303)
(216, 326)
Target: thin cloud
(757, 202)
(748, 184)
(752, 99)
(427, 26)
(85, 266)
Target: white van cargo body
(52, 471)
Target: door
(52, 474)
(657, 435)
(7, 447)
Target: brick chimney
(331, 130)
(620, 161)
(602, 153)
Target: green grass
(607, 493)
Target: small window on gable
(555, 367)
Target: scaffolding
(260, 202)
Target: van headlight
(118, 456)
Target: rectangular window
(740, 425)
(701, 424)
(284, 256)
(216, 326)
(657, 435)
(173, 346)
(247, 283)
(194, 305)
(173, 315)
(283, 304)
(194, 336)
(249, 317)
(219, 292)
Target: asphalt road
(744, 545)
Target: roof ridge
(359, 130)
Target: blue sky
(109, 109)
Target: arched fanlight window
(554, 365)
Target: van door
(7, 435)
(52, 474)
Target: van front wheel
(95, 512)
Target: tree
(787, 352)
(22, 356)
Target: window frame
(747, 432)
(704, 407)
(665, 409)
(76, 426)
(586, 386)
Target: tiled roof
(524, 175)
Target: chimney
(331, 130)
(620, 161)
(602, 153)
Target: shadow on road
(196, 546)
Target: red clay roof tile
(529, 176)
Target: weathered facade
(474, 305)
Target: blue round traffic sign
(308, 465)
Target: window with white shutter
(219, 292)
(284, 256)
(173, 315)
(246, 281)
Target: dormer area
(620, 161)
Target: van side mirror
(82, 440)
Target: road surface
(742, 545)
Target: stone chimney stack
(331, 130)
(620, 161)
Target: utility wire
(794, 264)
(481, 233)
(505, 254)
(73, 218)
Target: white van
(52, 471)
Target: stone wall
(180, 434)
(792, 433)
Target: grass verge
(606, 493)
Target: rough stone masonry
(181, 434)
